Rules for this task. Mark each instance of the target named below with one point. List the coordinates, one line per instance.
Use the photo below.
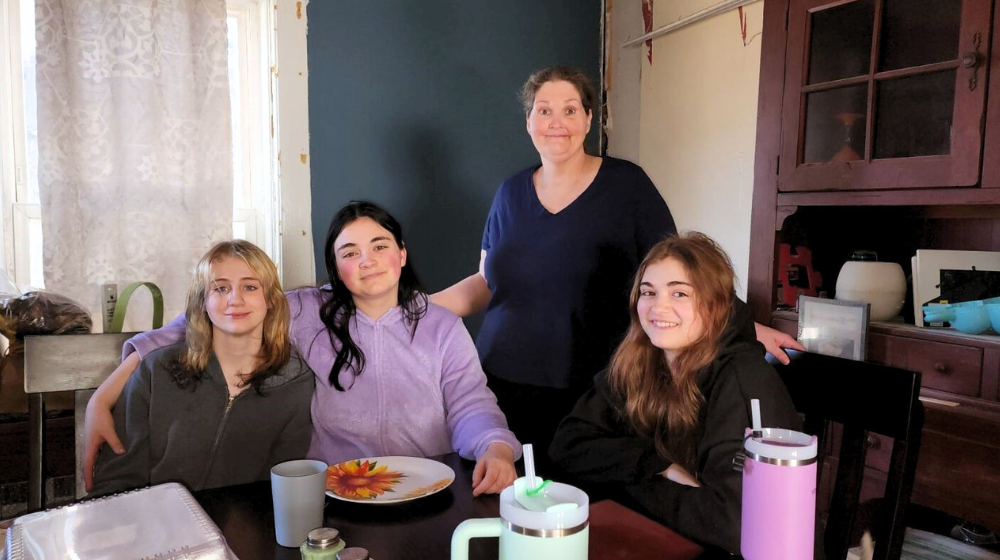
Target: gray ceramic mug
(299, 492)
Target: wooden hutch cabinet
(879, 128)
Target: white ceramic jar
(882, 284)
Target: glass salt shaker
(353, 553)
(322, 544)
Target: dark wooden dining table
(421, 529)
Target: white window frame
(259, 181)
(290, 79)
(276, 109)
(19, 216)
(275, 120)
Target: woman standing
(560, 246)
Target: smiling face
(369, 262)
(668, 307)
(236, 303)
(558, 123)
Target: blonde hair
(275, 349)
(662, 400)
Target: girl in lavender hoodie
(395, 374)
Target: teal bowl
(973, 319)
(943, 313)
(993, 310)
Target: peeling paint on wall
(743, 25)
(608, 45)
(647, 19)
(743, 28)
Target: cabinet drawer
(946, 367)
(879, 350)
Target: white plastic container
(162, 521)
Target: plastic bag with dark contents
(42, 313)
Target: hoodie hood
(740, 336)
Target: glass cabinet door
(884, 94)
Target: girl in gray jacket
(232, 401)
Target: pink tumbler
(779, 495)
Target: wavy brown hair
(569, 74)
(663, 400)
(275, 349)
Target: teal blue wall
(413, 105)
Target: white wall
(622, 67)
(697, 121)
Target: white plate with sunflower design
(387, 480)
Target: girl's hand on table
(494, 470)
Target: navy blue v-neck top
(560, 282)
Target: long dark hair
(337, 312)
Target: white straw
(529, 465)
(755, 412)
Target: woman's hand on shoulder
(494, 470)
(466, 297)
(774, 340)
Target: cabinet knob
(971, 60)
(872, 442)
(940, 368)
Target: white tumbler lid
(556, 519)
(782, 445)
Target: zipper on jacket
(218, 438)
(380, 393)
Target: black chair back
(863, 397)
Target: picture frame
(834, 327)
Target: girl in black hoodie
(666, 418)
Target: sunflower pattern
(361, 480)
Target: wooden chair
(862, 397)
(63, 363)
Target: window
(254, 179)
(253, 37)
(21, 218)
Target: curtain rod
(710, 11)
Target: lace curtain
(134, 145)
